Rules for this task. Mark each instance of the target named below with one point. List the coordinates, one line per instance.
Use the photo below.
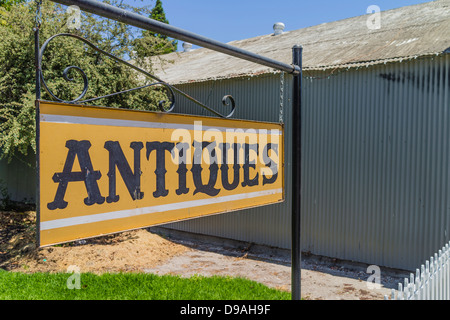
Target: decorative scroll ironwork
(227, 100)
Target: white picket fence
(432, 281)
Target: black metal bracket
(226, 101)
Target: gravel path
(321, 278)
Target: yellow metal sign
(105, 170)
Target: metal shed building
(376, 133)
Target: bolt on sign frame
(157, 167)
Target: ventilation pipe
(187, 47)
(278, 28)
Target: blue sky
(228, 20)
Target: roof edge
(348, 66)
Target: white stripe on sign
(51, 118)
(67, 222)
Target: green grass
(131, 286)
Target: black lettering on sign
(224, 167)
(79, 149)
(182, 170)
(132, 178)
(247, 165)
(117, 160)
(197, 170)
(271, 165)
(161, 148)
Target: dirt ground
(160, 251)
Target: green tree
(157, 41)
(158, 13)
(7, 4)
(17, 68)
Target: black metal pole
(137, 20)
(38, 67)
(38, 97)
(296, 174)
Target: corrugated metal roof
(404, 33)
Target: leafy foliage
(17, 66)
(150, 40)
(7, 4)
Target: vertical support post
(37, 62)
(37, 57)
(296, 174)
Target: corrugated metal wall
(376, 166)
(20, 177)
(377, 163)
